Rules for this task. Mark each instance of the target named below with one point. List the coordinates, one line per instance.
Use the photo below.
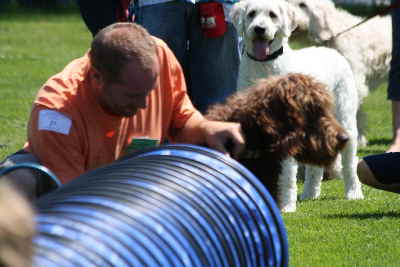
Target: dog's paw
(288, 208)
(310, 195)
(354, 194)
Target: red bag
(212, 19)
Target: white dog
(265, 27)
(367, 47)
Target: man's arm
(56, 142)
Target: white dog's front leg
(312, 182)
(352, 183)
(287, 187)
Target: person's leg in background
(98, 14)
(167, 21)
(394, 80)
(213, 64)
(381, 171)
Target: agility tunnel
(173, 205)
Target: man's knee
(24, 179)
(24, 170)
(365, 174)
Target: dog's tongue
(260, 49)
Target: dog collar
(274, 55)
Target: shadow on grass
(377, 215)
(380, 142)
(375, 146)
(328, 198)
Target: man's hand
(226, 137)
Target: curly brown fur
(284, 116)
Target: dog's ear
(289, 17)
(280, 122)
(321, 23)
(237, 15)
(283, 137)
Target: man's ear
(96, 77)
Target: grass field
(326, 232)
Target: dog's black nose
(343, 138)
(259, 30)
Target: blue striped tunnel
(174, 205)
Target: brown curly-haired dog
(283, 117)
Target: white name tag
(50, 120)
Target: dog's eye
(302, 5)
(272, 15)
(251, 14)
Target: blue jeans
(394, 74)
(210, 65)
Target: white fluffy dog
(367, 47)
(265, 27)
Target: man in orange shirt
(128, 87)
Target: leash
(381, 13)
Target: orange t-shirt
(70, 133)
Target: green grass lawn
(33, 46)
(326, 232)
